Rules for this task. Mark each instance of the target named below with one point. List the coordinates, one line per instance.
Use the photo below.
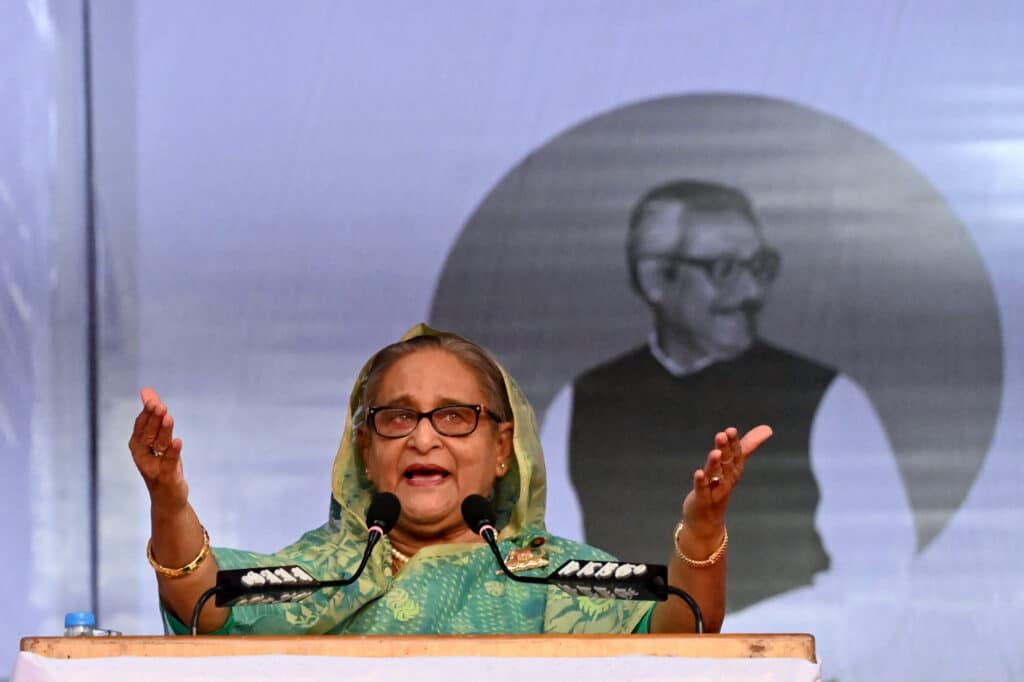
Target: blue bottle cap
(73, 618)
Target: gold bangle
(702, 563)
(187, 568)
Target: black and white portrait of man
(679, 265)
(636, 426)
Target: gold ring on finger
(156, 453)
(715, 480)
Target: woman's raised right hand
(157, 454)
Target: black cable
(199, 608)
(692, 603)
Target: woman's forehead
(427, 377)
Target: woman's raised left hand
(705, 505)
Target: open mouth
(425, 474)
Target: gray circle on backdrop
(879, 278)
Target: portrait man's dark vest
(638, 433)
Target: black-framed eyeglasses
(725, 270)
(447, 420)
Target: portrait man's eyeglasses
(447, 420)
(724, 271)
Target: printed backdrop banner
(280, 189)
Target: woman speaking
(434, 419)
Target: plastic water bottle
(83, 624)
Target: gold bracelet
(187, 568)
(703, 563)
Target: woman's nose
(424, 437)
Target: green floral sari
(444, 589)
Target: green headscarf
(445, 588)
(518, 497)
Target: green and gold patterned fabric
(444, 588)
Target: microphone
(275, 584)
(582, 577)
(479, 515)
(381, 517)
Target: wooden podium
(425, 658)
(516, 646)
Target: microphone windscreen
(477, 512)
(384, 511)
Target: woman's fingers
(140, 421)
(144, 422)
(725, 463)
(718, 465)
(713, 468)
(753, 439)
(149, 395)
(153, 425)
(728, 441)
(702, 485)
(171, 459)
(157, 453)
(713, 485)
(147, 424)
(164, 436)
(153, 436)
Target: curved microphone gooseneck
(381, 517)
(194, 630)
(698, 615)
(479, 515)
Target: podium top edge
(796, 646)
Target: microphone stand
(698, 615)
(487, 533)
(647, 582)
(194, 630)
(376, 532)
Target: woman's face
(431, 474)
